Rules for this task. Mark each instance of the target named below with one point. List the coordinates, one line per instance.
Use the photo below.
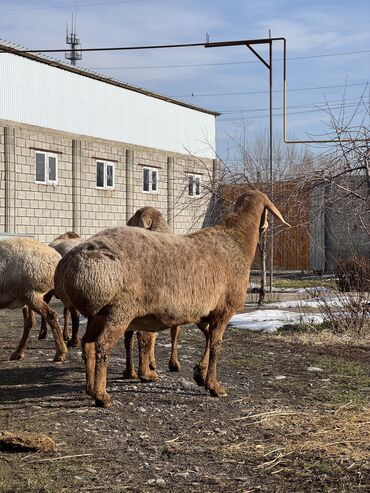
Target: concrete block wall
(158, 161)
(33, 208)
(189, 211)
(75, 203)
(2, 179)
(101, 208)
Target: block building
(80, 151)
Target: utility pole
(271, 166)
(74, 53)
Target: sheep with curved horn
(132, 279)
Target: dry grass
(326, 337)
(305, 451)
(302, 443)
(342, 434)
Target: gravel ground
(296, 419)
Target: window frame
(191, 176)
(151, 170)
(106, 164)
(47, 155)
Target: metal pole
(271, 168)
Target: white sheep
(26, 276)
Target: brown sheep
(152, 219)
(132, 279)
(26, 276)
(63, 244)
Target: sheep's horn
(275, 211)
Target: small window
(194, 185)
(104, 174)
(150, 180)
(46, 165)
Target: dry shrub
(354, 274)
(349, 314)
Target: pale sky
(328, 47)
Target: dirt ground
(296, 419)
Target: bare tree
(334, 176)
(320, 186)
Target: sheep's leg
(200, 369)
(37, 304)
(153, 340)
(130, 372)
(88, 355)
(146, 342)
(174, 363)
(216, 332)
(66, 314)
(29, 321)
(108, 338)
(44, 327)
(75, 315)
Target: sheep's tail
(87, 280)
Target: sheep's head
(149, 218)
(253, 200)
(67, 236)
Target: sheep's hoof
(103, 401)
(42, 335)
(74, 342)
(90, 390)
(151, 376)
(217, 391)
(59, 357)
(199, 376)
(130, 375)
(174, 365)
(16, 356)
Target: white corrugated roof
(16, 49)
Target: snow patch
(271, 320)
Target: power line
(133, 67)
(306, 105)
(266, 92)
(351, 105)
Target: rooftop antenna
(71, 39)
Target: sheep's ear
(264, 222)
(145, 222)
(134, 220)
(275, 211)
